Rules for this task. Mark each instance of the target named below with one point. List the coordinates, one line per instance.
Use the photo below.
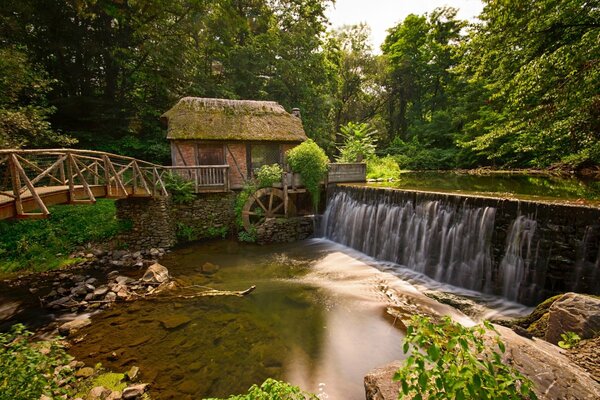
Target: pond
(535, 187)
(316, 319)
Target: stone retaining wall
(285, 230)
(162, 223)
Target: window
(210, 154)
(264, 154)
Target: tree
(539, 63)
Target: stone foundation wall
(161, 223)
(285, 230)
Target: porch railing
(206, 178)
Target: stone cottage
(220, 143)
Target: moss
(220, 119)
(537, 313)
(538, 327)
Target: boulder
(379, 383)
(98, 393)
(209, 268)
(85, 372)
(73, 326)
(133, 373)
(573, 313)
(134, 391)
(156, 274)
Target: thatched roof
(220, 119)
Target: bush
(45, 244)
(267, 175)
(180, 189)
(27, 369)
(272, 389)
(415, 155)
(359, 143)
(449, 361)
(310, 161)
(384, 167)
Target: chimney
(296, 112)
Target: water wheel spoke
(260, 203)
(277, 208)
(250, 213)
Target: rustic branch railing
(205, 177)
(27, 175)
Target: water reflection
(312, 332)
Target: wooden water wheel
(265, 203)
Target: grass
(382, 168)
(45, 244)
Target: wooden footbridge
(32, 180)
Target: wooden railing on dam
(31, 180)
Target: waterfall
(517, 257)
(448, 242)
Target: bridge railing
(83, 174)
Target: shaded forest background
(518, 88)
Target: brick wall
(239, 172)
(185, 149)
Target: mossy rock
(537, 313)
(538, 328)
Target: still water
(317, 319)
(503, 184)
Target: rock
(44, 397)
(133, 373)
(115, 395)
(123, 280)
(91, 281)
(89, 255)
(117, 263)
(74, 325)
(112, 274)
(174, 321)
(89, 297)
(209, 268)
(89, 288)
(573, 313)
(100, 291)
(85, 372)
(154, 252)
(98, 393)
(98, 252)
(156, 274)
(379, 383)
(79, 291)
(111, 296)
(134, 391)
(122, 294)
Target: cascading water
(517, 257)
(446, 242)
(493, 246)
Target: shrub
(46, 243)
(359, 142)
(27, 369)
(449, 361)
(416, 155)
(310, 161)
(180, 189)
(384, 167)
(569, 340)
(267, 175)
(272, 389)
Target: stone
(79, 290)
(89, 288)
(98, 393)
(134, 391)
(73, 326)
(44, 397)
(112, 274)
(91, 281)
(89, 297)
(98, 252)
(122, 294)
(379, 383)
(89, 255)
(209, 268)
(85, 372)
(115, 395)
(573, 313)
(123, 280)
(174, 321)
(133, 373)
(100, 291)
(156, 274)
(110, 296)
(154, 252)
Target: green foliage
(180, 189)
(46, 243)
(382, 168)
(569, 340)
(27, 368)
(310, 161)
(272, 389)
(414, 155)
(247, 236)
(187, 233)
(449, 361)
(240, 200)
(359, 143)
(267, 175)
